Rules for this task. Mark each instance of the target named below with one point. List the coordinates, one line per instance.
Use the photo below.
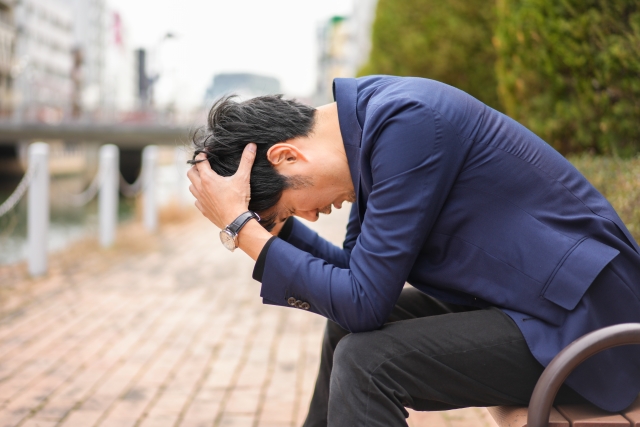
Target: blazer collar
(345, 93)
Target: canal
(69, 223)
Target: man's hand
(222, 199)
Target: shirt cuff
(258, 270)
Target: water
(69, 223)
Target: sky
(270, 37)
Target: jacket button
(291, 301)
(299, 304)
(305, 306)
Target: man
(511, 253)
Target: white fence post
(182, 182)
(108, 196)
(38, 209)
(149, 197)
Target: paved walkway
(162, 331)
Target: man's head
(294, 171)
(265, 120)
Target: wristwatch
(229, 235)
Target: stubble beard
(351, 198)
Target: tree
(449, 41)
(570, 71)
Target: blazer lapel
(345, 93)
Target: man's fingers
(215, 194)
(194, 191)
(194, 175)
(203, 166)
(246, 162)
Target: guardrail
(107, 183)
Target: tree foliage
(617, 179)
(449, 41)
(570, 71)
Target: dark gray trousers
(430, 356)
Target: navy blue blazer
(469, 206)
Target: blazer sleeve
(415, 158)
(302, 237)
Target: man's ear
(283, 154)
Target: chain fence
(137, 187)
(77, 200)
(13, 219)
(81, 199)
(18, 193)
(126, 189)
(132, 190)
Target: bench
(540, 412)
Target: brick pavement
(174, 334)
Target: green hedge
(570, 71)
(619, 181)
(449, 41)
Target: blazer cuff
(258, 270)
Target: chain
(128, 190)
(132, 190)
(87, 195)
(18, 193)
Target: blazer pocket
(577, 271)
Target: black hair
(264, 120)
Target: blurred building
(360, 24)
(333, 40)
(245, 85)
(344, 44)
(7, 37)
(89, 23)
(119, 91)
(43, 60)
(144, 80)
(71, 61)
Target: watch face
(228, 239)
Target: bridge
(130, 136)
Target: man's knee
(355, 353)
(364, 370)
